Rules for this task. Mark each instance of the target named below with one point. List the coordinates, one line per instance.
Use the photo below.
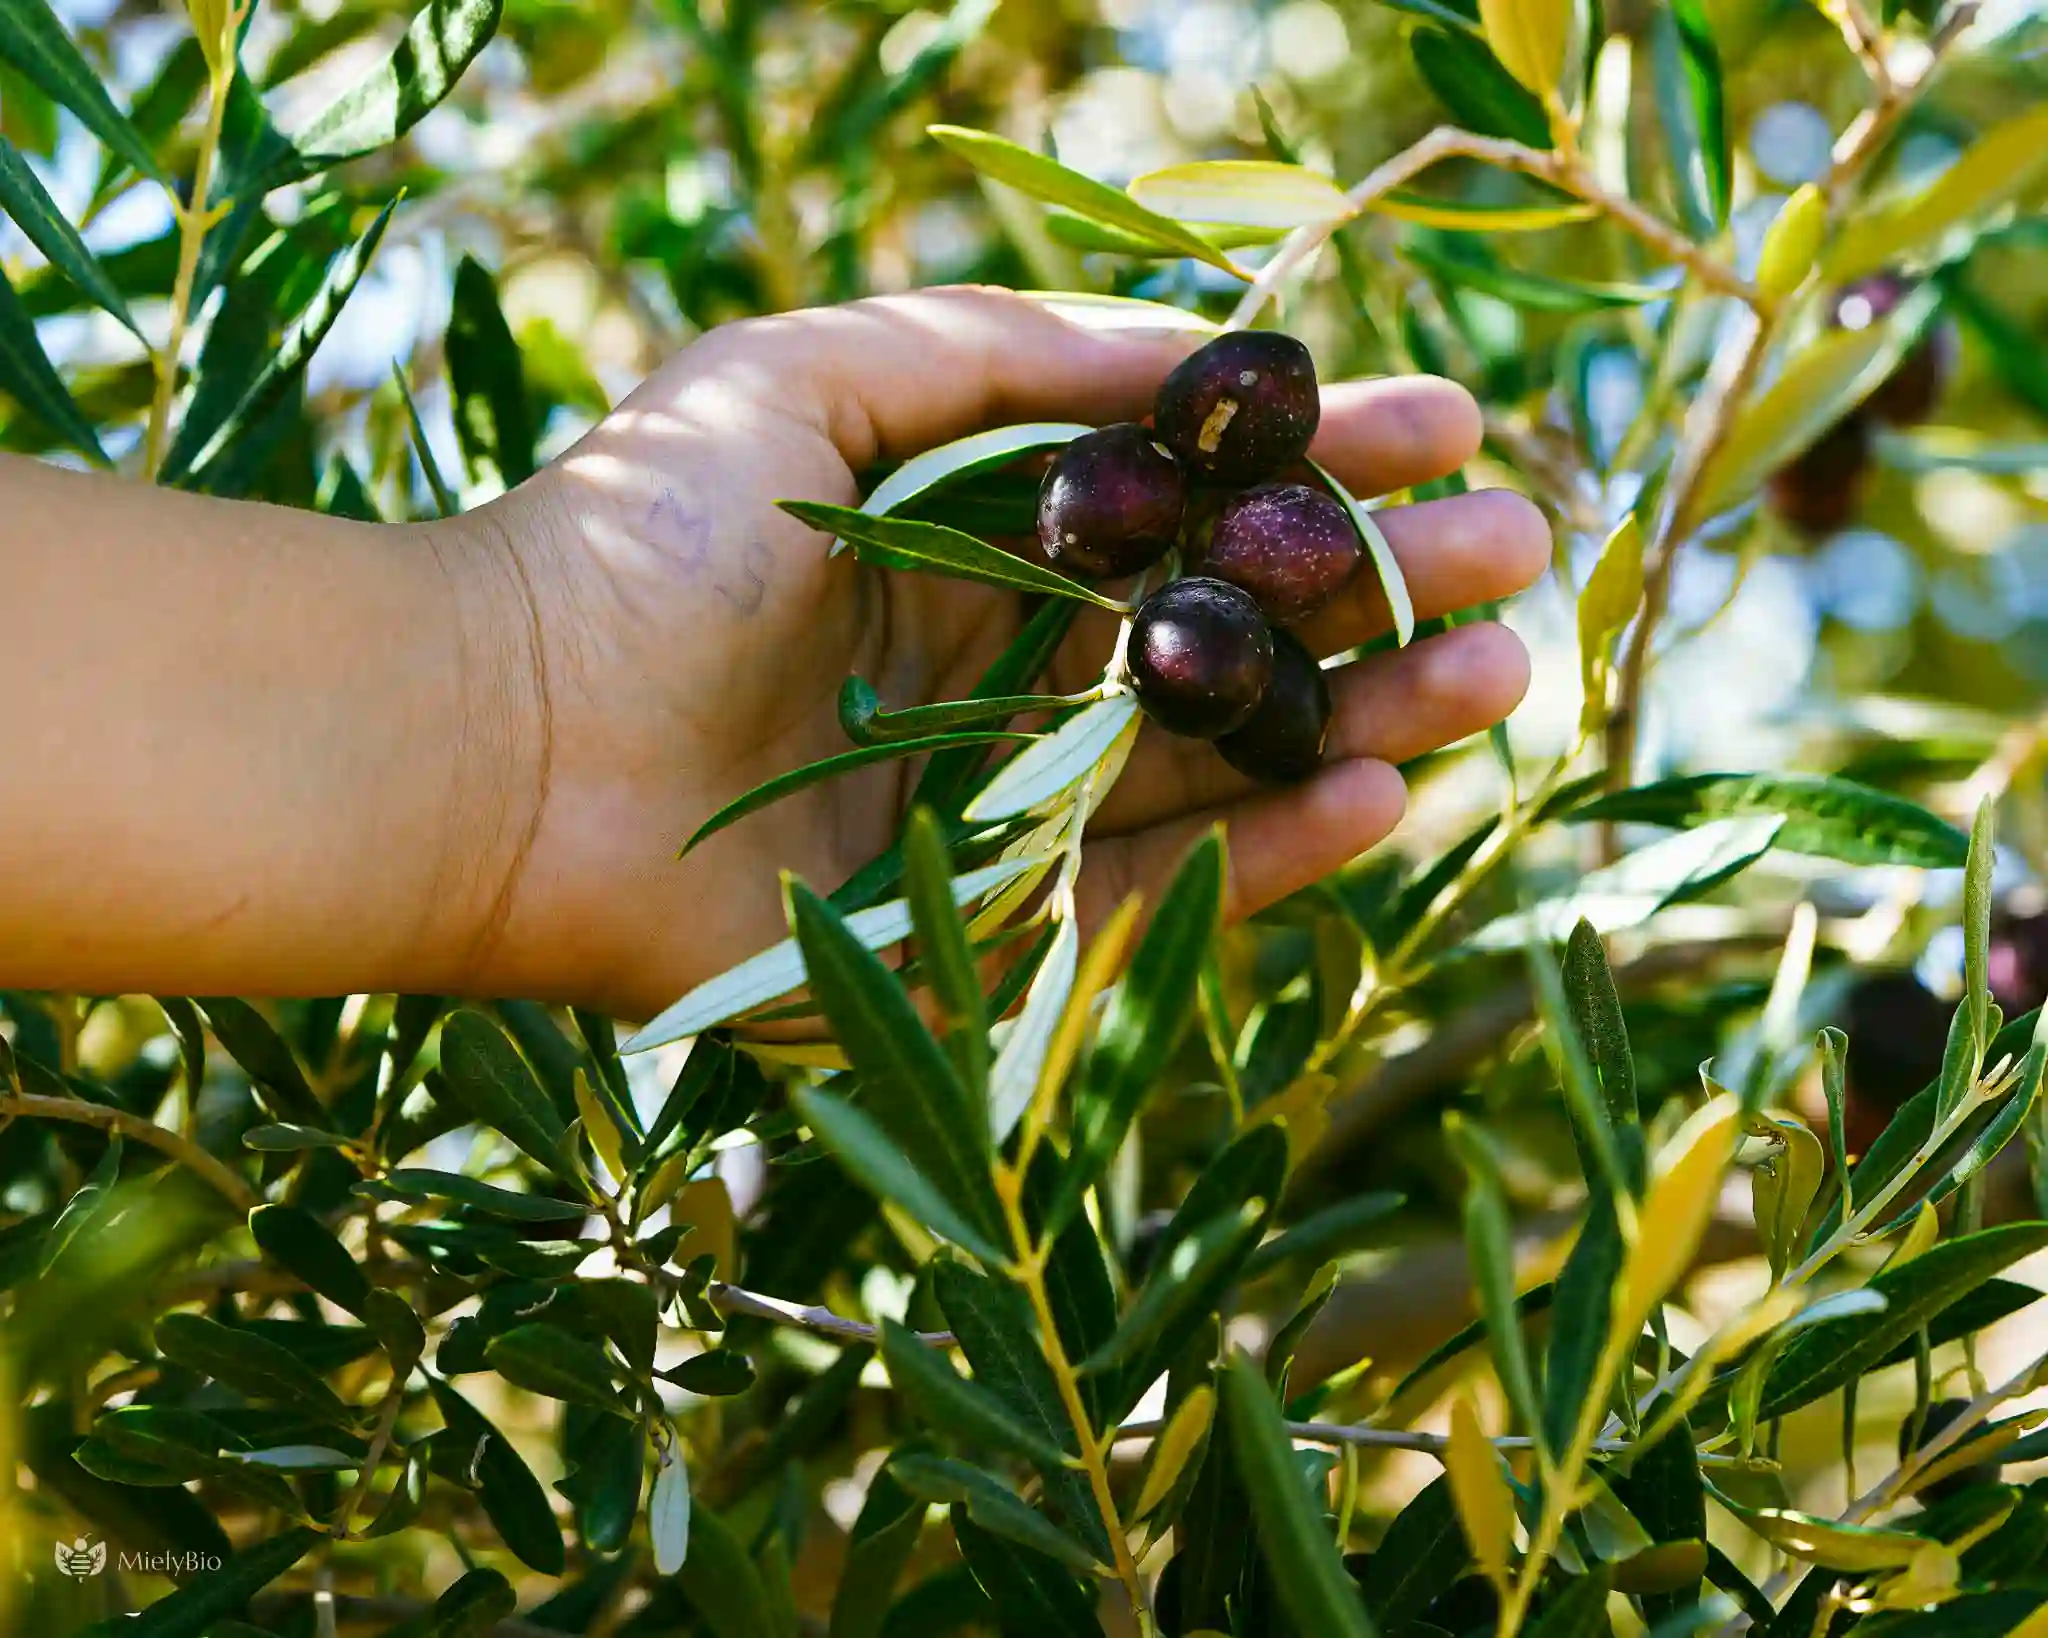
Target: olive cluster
(1210, 654)
(1819, 491)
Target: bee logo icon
(81, 1558)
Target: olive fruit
(1200, 657)
(1911, 392)
(1817, 492)
(1939, 1415)
(1111, 503)
(1282, 743)
(1242, 408)
(1290, 546)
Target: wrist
(488, 753)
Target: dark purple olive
(1242, 408)
(1200, 657)
(1290, 546)
(1283, 742)
(1818, 492)
(1912, 392)
(1111, 504)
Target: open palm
(690, 640)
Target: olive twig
(1561, 169)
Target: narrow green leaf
(865, 1148)
(964, 458)
(491, 1084)
(942, 944)
(278, 1138)
(1834, 1071)
(1423, 1552)
(187, 466)
(1977, 873)
(1294, 1538)
(1593, 1126)
(1539, 292)
(307, 1248)
(398, 1328)
(931, 548)
(1613, 592)
(1144, 1021)
(1048, 180)
(992, 1320)
(1215, 1529)
(1819, 385)
(1596, 1015)
(249, 1364)
(1202, 1250)
(1547, 209)
(1832, 818)
(957, 1406)
(877, 1552)
(200, 1605)
(250, 1040)
(774, 790)
(780, 969)
(493, 419)
(34, 41)
(1911, 1126)
(2002, 165)
(1337, 1228)
(1393, 583)
(1984, 1149)
(378, 109)
(1692, 109)
(420, 1185)
(28, 377)
(909, 1090)
(864, 721)
(446, 505)
(940, 1479)
(668, 1515)
(1579, 1611)
(1244, 193)
(546, 1359)
(512, 1497)
(23, 198)
(1822, 1358)
(1578, 1329)
(1481, 95)
(1662, 1489)
(476, 1602)
(1029, 1590)
(951, 774)
(1490, 1248)
(722, 1580)
(1182, 1284)
(1046, 770)
(1315, 1297)
(1082, 234)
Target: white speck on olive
(1247, 378)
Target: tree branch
(1560, 170)
(732, 1299)
(160, 1138)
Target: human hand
(680, 640)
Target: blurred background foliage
(634, 172)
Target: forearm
(248, 750)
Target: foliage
(1041, 1308)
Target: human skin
(258, 751)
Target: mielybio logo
(85, 1558)
(82, 1558)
